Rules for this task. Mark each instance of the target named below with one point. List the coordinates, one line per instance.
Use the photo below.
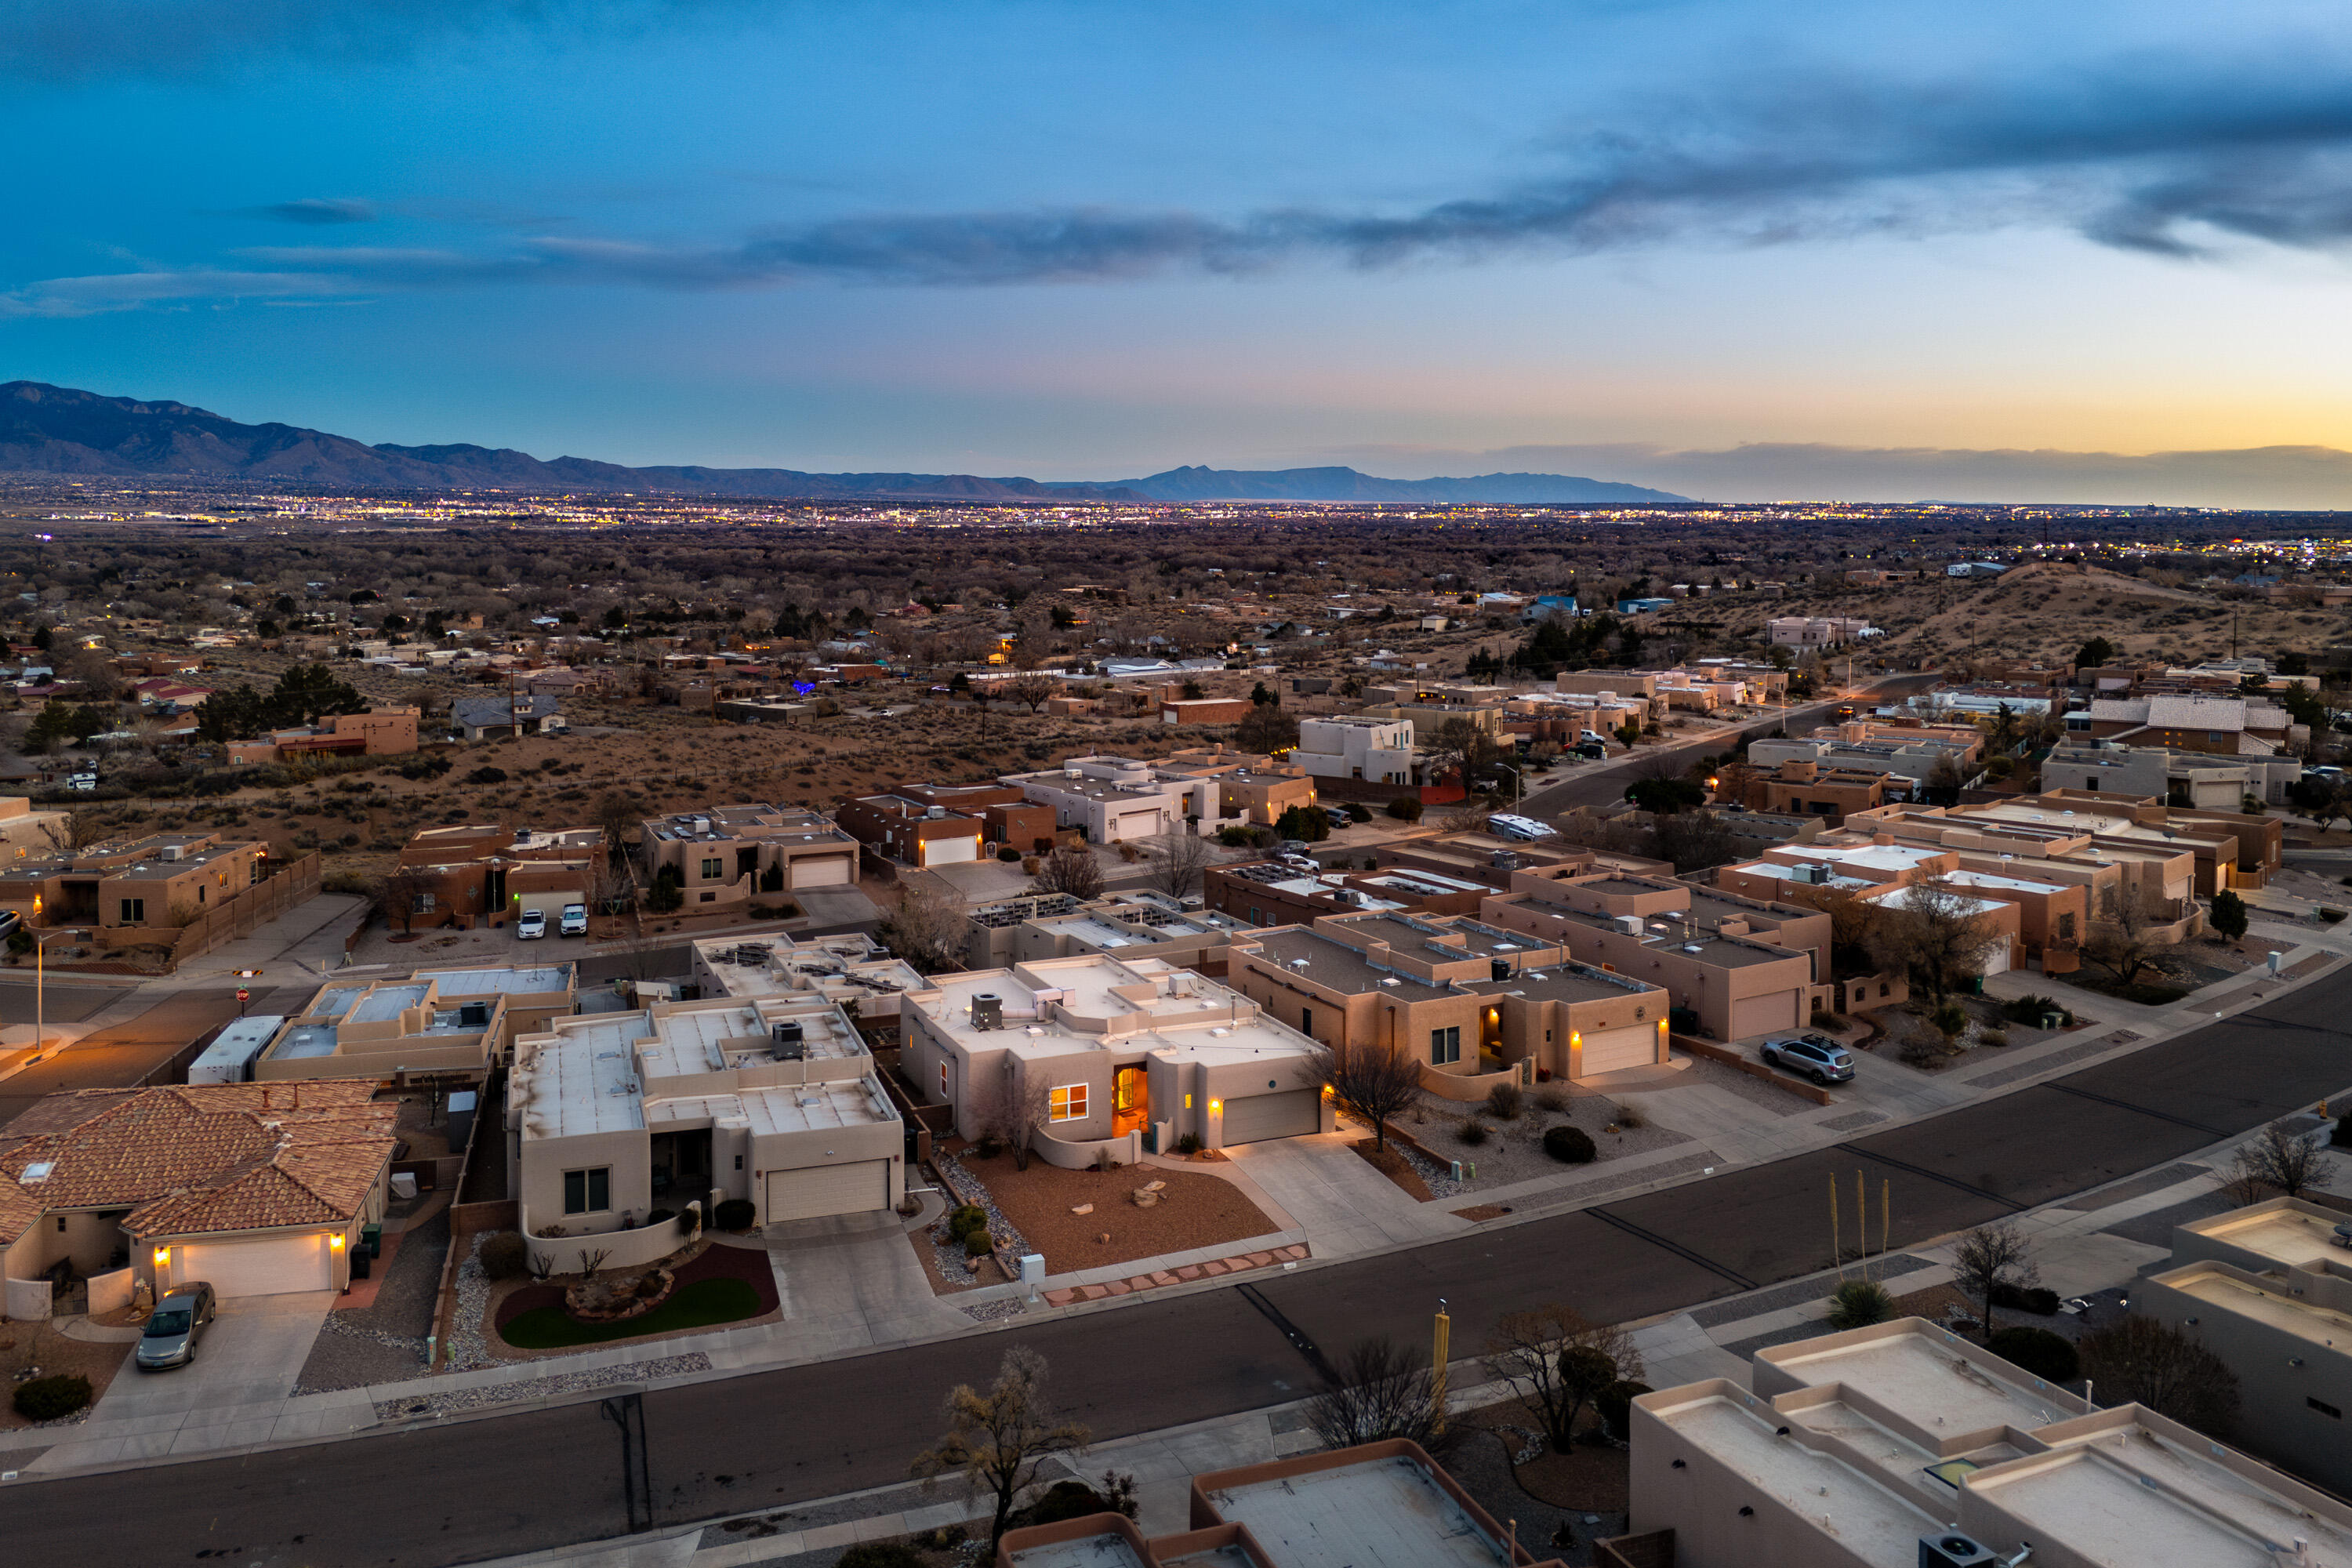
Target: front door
(1130, 1100)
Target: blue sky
(1705, 246)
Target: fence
(293, 883)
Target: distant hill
(1196, 483)
(57, 430)
(49, 430)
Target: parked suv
(531, 926)
(1815, 1056)
(574, 921)
(173, 1328)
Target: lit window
(1068, 1103)
(943, 1078)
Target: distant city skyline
(1872, 252)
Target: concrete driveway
(233, 1393)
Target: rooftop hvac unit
(792, 1046)
(173, 851)
(1950, 1549)
(1629, 925)
(474, 1015)
(1505, 860)
(702, 825)
(1499, 968)
(987, 1011)
(936, 812)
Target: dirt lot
(1193, 1211)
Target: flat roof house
(1119, 798)
(1457, 995)
(257, 1188)
(849, 969)
(1902, 1446)
(1141, 923)
(1291, 892)
(727, 856)
(1111, 1054)
(2268, 1288)
(773, 1100)
(487, 874)
(161, 881)
(431, 1024)
(378, 732)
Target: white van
(1521, 827)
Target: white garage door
(950, 852)
(1612, 1050)
(1283, 1115)
(823, 871)
(1762, 1015)
(857, 1188)
(1996, 958)
(257, 1267)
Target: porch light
(1216, 1108)
(162, 1257)
(336, 1241)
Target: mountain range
(57, 430)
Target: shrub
(1553, 1098)
(963, 1221)
(734, 1214)
(1473, 1131)
(655, 1216)
(2028, 1009)
(1948, 1020)
(48, 1398)
(1405, 808)
(486, 776)
(977, 1243)
(2330, 915)
(1993, 1037)
(1629, 1118)
(1189, 1143)
(1505, 1101)
(1009, 855)
(1825, 1019)
(1614, 1406)
(504, 1255)
(880, 1554)
(2031, 1299)
(2044, 1354)
(1858, 1303)
(1570, 1145)
(1358, 811)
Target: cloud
(2288, 477)
(313, 210)
(78, 40)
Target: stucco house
(257, 1188)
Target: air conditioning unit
(1499, 968)
(936, 813)
(174, 851)
(474, 1015)
(987, 1011)
(1950, 1549)
(701, 826)
(791, 1043)
(1629, 925)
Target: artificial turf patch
(698, 1304)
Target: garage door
(857, 1188)
(1264, 1116)
(1613, 1050)
(257, 1267)
(823, 871)
(950, 852)
(1996, 958)
(1762, 1015)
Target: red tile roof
(194, 1158)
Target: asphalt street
(125, 1052)
(456, 1491)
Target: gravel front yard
(1514, 1150)
(1193, 1211)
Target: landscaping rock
(1145, 1197)
(1084, 1208)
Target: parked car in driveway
(1816, 1056)
(531, 926)
(574, 921)
(178, 1321)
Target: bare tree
(2142, 1361)
(73, 829)
(1017, 1111)
(400, 892)
(1033, 690)
(1379, 1390)
(1693, 840)
(1178, 858)
(999, 1441)
(1266, 729)
(1557, 1361)
(2276, 1159)
(1940, 934)
(927, 929)
(1987, 1259)
(1071, 868)
(2124, 943)
(1371, 1083)
(618, 813)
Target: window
(712, 867)
(2066, 926)
(943, 1078)
(201, 891)
(1445, 1045)
(424, 903)
(1306, 1021)
(134, 911)
(706, 898)
(1068, 1103)
(2324, 1408)
(588, 1192)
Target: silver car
(1816, 1056)
(173, 1328)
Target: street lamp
(1518, 784)
(40, 1007)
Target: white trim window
(1067, 1102)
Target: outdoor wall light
(336, 1241)
(162, 1257)
(1216, 1108)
